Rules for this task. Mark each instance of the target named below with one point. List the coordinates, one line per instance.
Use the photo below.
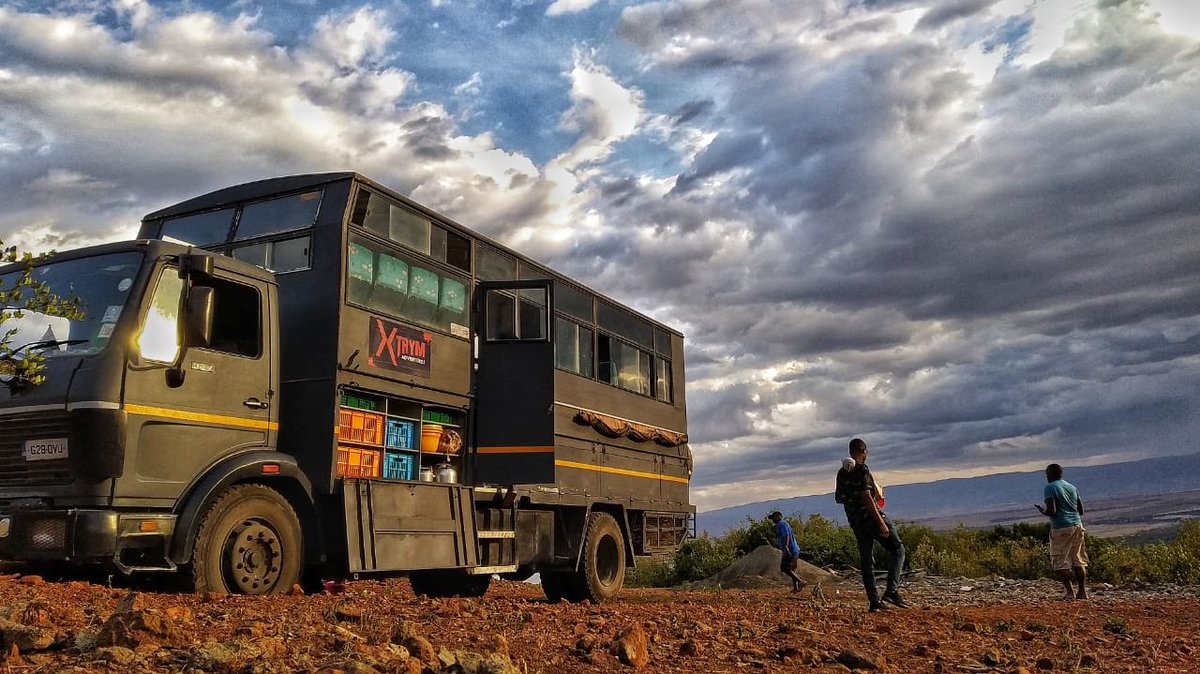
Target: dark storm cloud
(952, 10)
(972, 284)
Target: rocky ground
(955, 625)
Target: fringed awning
(612, 427)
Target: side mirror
(196, 329)
(198, 317)
(195, 265)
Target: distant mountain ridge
(942, 498)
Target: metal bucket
(446, 473)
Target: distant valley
(1142, 499)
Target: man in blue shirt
(1068, 556)
(785, 539)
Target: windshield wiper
(48, 343)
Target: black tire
(249, 542)
(553, 584)
(449, 584)
(602, 564)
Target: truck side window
(519, 316)
(159, 337)
(236, 319)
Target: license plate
(43, 450)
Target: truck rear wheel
(555, 585)
(248, 543)
(602, 571)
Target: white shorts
(1067, 548)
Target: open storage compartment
(391, 438)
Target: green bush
(651, 572)
(702, 557)
(1019, 551)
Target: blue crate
(400, 465)
(400, 433)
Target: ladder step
(489, 570)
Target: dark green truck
(314, 377)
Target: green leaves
(27, 294)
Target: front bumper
(84, 536)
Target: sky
(967, 231)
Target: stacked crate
(400, 460)
(360, 435)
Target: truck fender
(242, 467)
(622, 516)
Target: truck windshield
(101, 284)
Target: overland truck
(314, 377)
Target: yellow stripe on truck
(619, 471)
(181, 415)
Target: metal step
(489, 570)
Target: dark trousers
(866, 534)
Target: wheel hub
(252, 555)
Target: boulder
(760, 568)
(632, 647)
(855, 659)
(25, 638)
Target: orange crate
(358, 462)
(359, 426)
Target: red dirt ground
(53, 627)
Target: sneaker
(894, 598)
(877, 607)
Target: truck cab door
(514, 384)
(179, 426)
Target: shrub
(658, 571)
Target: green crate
(437, 417)
(360, 402)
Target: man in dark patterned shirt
(857, 492)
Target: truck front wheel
(603, 560)
(248, 543)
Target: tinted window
(572, 347)
(236, 319)
(492, 265)
(521, 316)
(662, 341)
(277, 256)
(624, 324)
(199, 229)
(570, 300)
(278, 215)
(662, 379)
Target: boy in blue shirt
(1068, 556)
(785, 539)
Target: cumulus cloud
(559, 7)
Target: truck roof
(251, 190)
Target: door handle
(257, 404)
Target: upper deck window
(399, 224)
(492, 265)
(282, 214)
(385, 280)
(199, 229)
(625, 325)
(573, 302)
